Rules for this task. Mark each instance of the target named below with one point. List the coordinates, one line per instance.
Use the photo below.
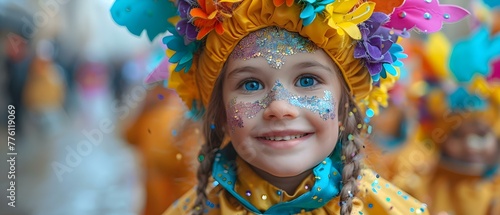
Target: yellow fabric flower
(338, 16)
(379, 96)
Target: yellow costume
(376, 196)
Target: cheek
(328, 130)
(326, 122)
(324, 106)
(242, 144)
(238, 112)
(492, 147)
(234, 118)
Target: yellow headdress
(360, 36)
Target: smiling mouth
(284, 138)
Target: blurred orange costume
(168, 144)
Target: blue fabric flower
(184, 52)
(465, 62)
(139, 16)
(396, 52)
(311, 8)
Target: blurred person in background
(44, 91)
(452, 160)
(65, 167)
(167, 142)
(16, 54)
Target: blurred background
(76, 80)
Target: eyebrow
(309, 64)
(241, 69)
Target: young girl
(278, 84)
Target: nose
(280, 110)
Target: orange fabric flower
(385, 6)
(210, 15)
(278, 3)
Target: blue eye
(306, 81)
(252, 85)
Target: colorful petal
(373, 51)
(131, 15)
(390, 69)
(191, 32)
(351, 29)
(360, 52)
(203, 32)
(387, 6)
(361, 14)
(278, 3)
(219, 28)
(426, 16)
(307, 21)
(374, 68)
(343, 7)
(307, 11)
(198, 13)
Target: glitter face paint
(273, 44)
(325, 106)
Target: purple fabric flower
(184, 26)
(187, 29)
(184, 7)
(376, 41)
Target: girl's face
(282, 119)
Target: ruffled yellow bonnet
(360, 37)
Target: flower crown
(359, 35)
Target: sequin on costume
(273, 45)
(323, 106)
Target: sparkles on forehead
(273, 44)
(324, 107)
